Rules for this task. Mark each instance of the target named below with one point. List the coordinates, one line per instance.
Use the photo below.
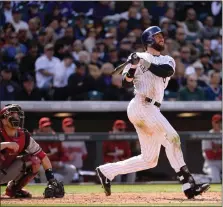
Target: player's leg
(171, 142)
(150, 150)
(31, 166)
(13, 171)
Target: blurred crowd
(67, 50)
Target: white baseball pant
(153, 131)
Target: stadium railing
(110, 106)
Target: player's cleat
(198, 189)
(105, 182)
(201, 188)
(18, 193)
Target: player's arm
(163, 70)
(9, 145)
(129, 71)
(34, 149)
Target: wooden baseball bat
(120, 68)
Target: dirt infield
(120, 198)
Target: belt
(151, 100)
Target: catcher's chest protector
(9, 155)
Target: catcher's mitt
(54, 189)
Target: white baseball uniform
(151, 126)
(212, 166)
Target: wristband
(49, 174)
(131, 73)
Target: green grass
(147, 188)
(38, 189)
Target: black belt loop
(157, 104)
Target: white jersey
(145, 82)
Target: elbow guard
(41, 155)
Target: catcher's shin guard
(14, 188)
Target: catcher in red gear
(21, 156)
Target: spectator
(27, 64)
(90, 41)
(205, 61)
(42, 41)
(199, 71)
(84, 57)
(59, 50)
(107, 69)
(125, 49)
(191, 92)
(109, 41)
(113, 57)
(55, 151)
(23, 37)
(13, 52)
(80, 30)
(192, 26)
(95, 55)
(180, 38)
(133, 18)
(44, 68)
(77, 86)
(216, 44)
(61, 74)
(76, 151)
(50, 35)
(212, 152)
(33, 10)
(158, 10)
(34, 28)
(214, 91)
(122, 29)
(53, 15)
(185, 53)
(217, 64)
(8, 88)
(16, 20)
(28, 92)
(77, 47)
(67, 39)
(209, 31)
(6, 13)
(96, 83)
(115, 92)
(114, 151)
(101, 9)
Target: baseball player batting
(150, 73)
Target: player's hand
(13, 146)
(134, 59)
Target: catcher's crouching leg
(30, 170)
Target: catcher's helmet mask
(8, 110)
(148, 39)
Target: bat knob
(134, 59)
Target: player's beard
(158, 47)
